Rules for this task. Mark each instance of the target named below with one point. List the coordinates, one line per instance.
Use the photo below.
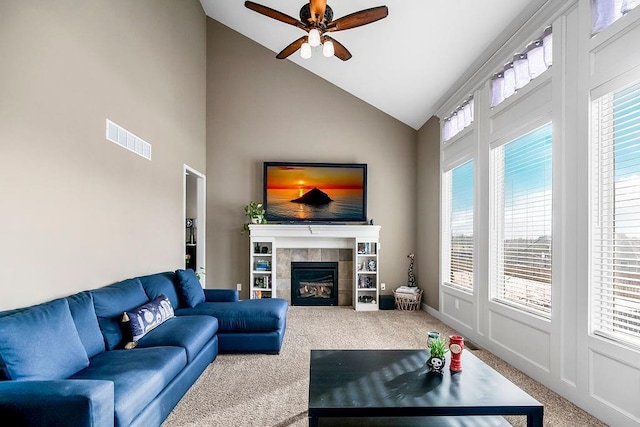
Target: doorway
(195, 221)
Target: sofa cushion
(41, 343)
(148, 316)
(189, 288)
(189, 332)
(138, 375)
(161, 283)
(86, 321)
(221, 295)
(255, 315)
(4, 375)
(111, 302)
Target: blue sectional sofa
(73, 361)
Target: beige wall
(191, 194)
(77, 211)
(263, 109)
(428, 223)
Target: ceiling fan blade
(339, 51)
(358, 19)
(291, 48)
(274, 14)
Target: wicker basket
(408, 302)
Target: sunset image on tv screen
(327, 193)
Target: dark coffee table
(393, 388)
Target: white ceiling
(404, 64)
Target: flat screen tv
(315, 192)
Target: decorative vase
(456, 345)
(436, 365)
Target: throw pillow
(113, 300)
(148, 316)
(189, 288)
(84, 317)
(41, 343)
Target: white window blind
(606, 12)
(521, 243)
(459, 225)
(615, 238)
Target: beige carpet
(271, 391)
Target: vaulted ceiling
(406, 64)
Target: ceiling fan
(316, 19)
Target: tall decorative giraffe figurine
(412, 277)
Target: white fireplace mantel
(363, 240)
(314, 235)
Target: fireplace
(314, 283)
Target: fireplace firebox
(314, 283)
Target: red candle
(456, 345)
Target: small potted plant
(200, 273)
(255, 212)
(436, 361)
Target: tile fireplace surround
(314, 242)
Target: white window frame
(602, 320)
(496, 263)
(447, 182)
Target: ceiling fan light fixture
(314, 37)
(328, 49)
(316, 19)
(305, 51)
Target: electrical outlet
(457, 305)
(383, 286)
(239, 286)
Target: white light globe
(314, 37)
(305, 51)
(327, 49)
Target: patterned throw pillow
(148, 316)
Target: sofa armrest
(221, 295)
(57, 403)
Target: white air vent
(126, 139)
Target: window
(458, 120)
(606, 12)
(525, 66)
(615, 221)
(458, 185)
(521, 242)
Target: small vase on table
(456, 345)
